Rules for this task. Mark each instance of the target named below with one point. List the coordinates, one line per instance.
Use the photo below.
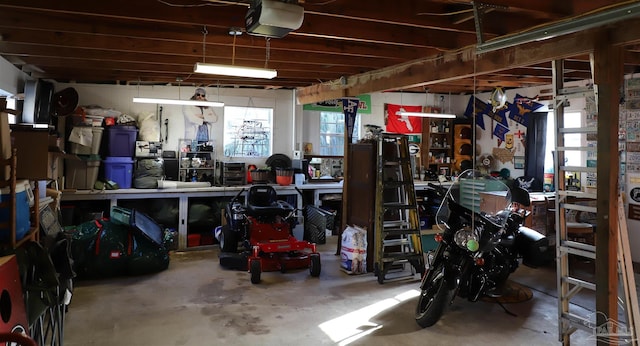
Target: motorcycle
(479, 246)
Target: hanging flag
(402, 123)
(481, 108)
(500, 115)
(521, 107)
(499, 131)
(350, 109)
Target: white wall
(486, 141)
(119, 97)
(311, 119)
(11, 79)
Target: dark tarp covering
(102, 248)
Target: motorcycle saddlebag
(534, 247)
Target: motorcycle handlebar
(238, 195)
(441, 191)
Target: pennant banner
(499, 131)
(364, 107)
(500, 115)
(481, 108)
(402, 123)
(521, 107)
(350, 109)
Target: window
(332, 133)
(571, 157)
(248, 131)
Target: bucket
(283, 180)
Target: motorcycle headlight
(467, 238)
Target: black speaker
(170, 165)
(171, 169)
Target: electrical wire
(444, 14)
(268, 52)
(233, 51)
(321, 3)
(204, 41)
(207, 3)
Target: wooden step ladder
(397, 226)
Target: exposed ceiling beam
(466, 64)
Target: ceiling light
(237, 71)
(232, 70)
(178, 102)
(235, 31)
(427, 115)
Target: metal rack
(188, 168)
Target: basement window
(248, 131)
(332, 133)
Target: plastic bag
(149, 128)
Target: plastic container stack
(84, 141)
(118, 165)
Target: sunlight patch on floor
(356, 324)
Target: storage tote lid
(21, 186)
(118, 159)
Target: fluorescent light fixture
(236, 71)
(178, 102)
(426, 115)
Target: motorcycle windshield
(479, 193)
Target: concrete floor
(196, 302)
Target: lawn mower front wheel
(256, 271)
(314, 265)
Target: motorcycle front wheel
(433, 298)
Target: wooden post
(607, 71)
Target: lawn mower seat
(262, 201)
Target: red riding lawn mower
(264, 228)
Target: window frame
(241, 118)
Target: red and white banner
(402, 123)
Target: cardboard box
(35, 161)
(5, 143)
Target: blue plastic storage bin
(119, 170)
(122, 140)
(23, 223)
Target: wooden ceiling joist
(466, 63)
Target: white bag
(353, 253)
(149, 128)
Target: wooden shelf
(437, 144)
(34, 211)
